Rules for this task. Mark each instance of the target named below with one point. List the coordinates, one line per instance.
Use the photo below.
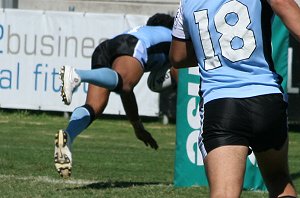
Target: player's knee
(226, 193)
(91, 111)
(119, 87)
(127, 88)
(123, 86)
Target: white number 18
(228, 32)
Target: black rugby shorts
(107, 51)
(258, 122)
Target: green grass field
(108, 160)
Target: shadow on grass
(121, 184)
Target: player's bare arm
(182, 54)
(142, 134)
(289, 12)
(131, 108)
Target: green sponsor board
(280, 45)
(189, 169)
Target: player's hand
(146, 137)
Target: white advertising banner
(35, 44)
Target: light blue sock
(103, 77)
(80, 120)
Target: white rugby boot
(62, 154)
(70, 81)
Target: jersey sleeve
(179, 30)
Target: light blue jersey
(232, 42)
(151, 35)
(153, 46)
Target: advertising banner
(35, 44)
(189, 169)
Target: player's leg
(81, 118)
(224, 145)
(71, 79)
(270, 143)
(96, 101)
(225, 168)
(97, 97)
(102, 77)
(274, 168)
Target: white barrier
(35, 44)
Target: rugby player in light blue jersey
(243, 105)
(117, 65)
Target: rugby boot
(70, 81)
(62, 154)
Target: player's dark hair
(160, 19)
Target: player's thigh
(225, 169)
(130, 70)
(97, 98)
(273, 163)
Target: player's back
(232, 42)
(157, 40)
(151, 35)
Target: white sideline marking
(47, 179)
